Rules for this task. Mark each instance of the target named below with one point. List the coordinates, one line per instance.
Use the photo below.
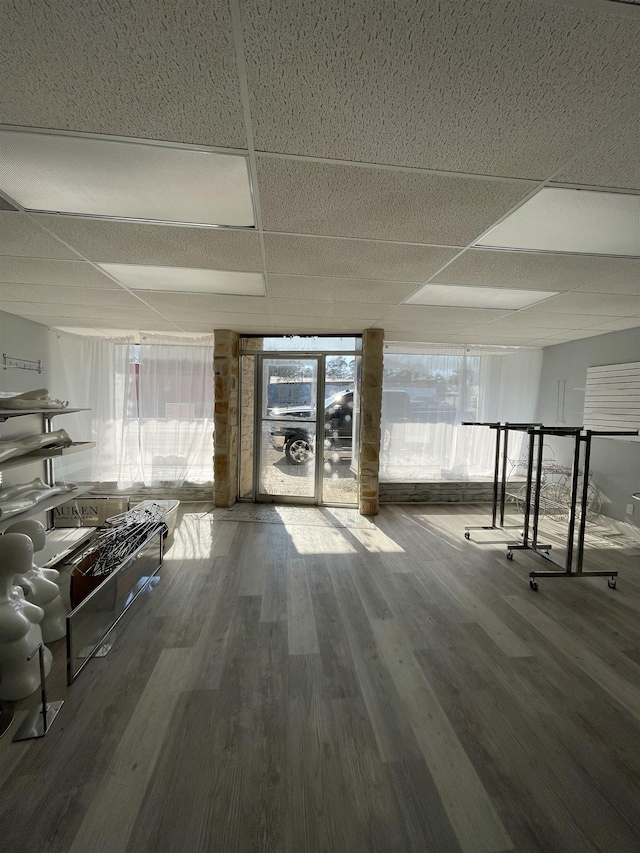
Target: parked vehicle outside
(297, 442)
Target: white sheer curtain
(169, 438)
(151, 409)
(96, 374)
(423, 439)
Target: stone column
(226, 392)
(370, 412)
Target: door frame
(318, 458)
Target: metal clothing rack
(502, 429)
(578, 502)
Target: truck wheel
(298, 451)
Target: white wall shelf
(44, 506)
(45, 453)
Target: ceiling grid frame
(340, 241)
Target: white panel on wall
(612, 397)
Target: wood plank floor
(312, 681)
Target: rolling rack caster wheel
(467, 535)
(611, 583)
(509, 555)
(533, 584)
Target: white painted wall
(615, 463)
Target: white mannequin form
(19, 446)
(20, 498)
(38, 399)
(40, 585)
(20, 632)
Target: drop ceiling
(384, 152)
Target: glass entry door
(288, 428)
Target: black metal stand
(39, 720)
(579, 498)
(502, 430)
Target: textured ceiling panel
(68, 309)
(612, 161)
(305, 288)
(607, 324)
(73, 295)
(385, 261)
(221, 319)
(203, 303)
(384, 204)
(531, 270)
(130, 242)
(450, 315)
(493, 88)
(63, 273)
(422, 325)
(549, 321)
(415, 337)
(362, 311)
(206, 327)
(20, 235)
(161, 70)
(291, 323)
(484, 337)
(605, 304)
(626, 281)
(122, 326)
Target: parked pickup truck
(297, 441)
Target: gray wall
(615, 463)
(22, 338)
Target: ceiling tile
(625, 281)
(209, 327)
(609, 325)
(122, 326)
(364, 312)
(46, 272)
(364, 259)
(605, 304)
(202, 303)
(571, 220)
(11, 292)
(221, 319)
(531, 270)
(383, 204)
(416, 337)
(171, 245)
(161, 70)
(612, 161)
(484, 336)
(51, 294)
(549, 321)
(292, 322)
(20, 235)
(492, 88)
(416, 325)
(435, 314)
(34, 310)
(337, 289)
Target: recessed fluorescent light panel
(55, 173)
(186, 280)
(477, 297)
(580, 221)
